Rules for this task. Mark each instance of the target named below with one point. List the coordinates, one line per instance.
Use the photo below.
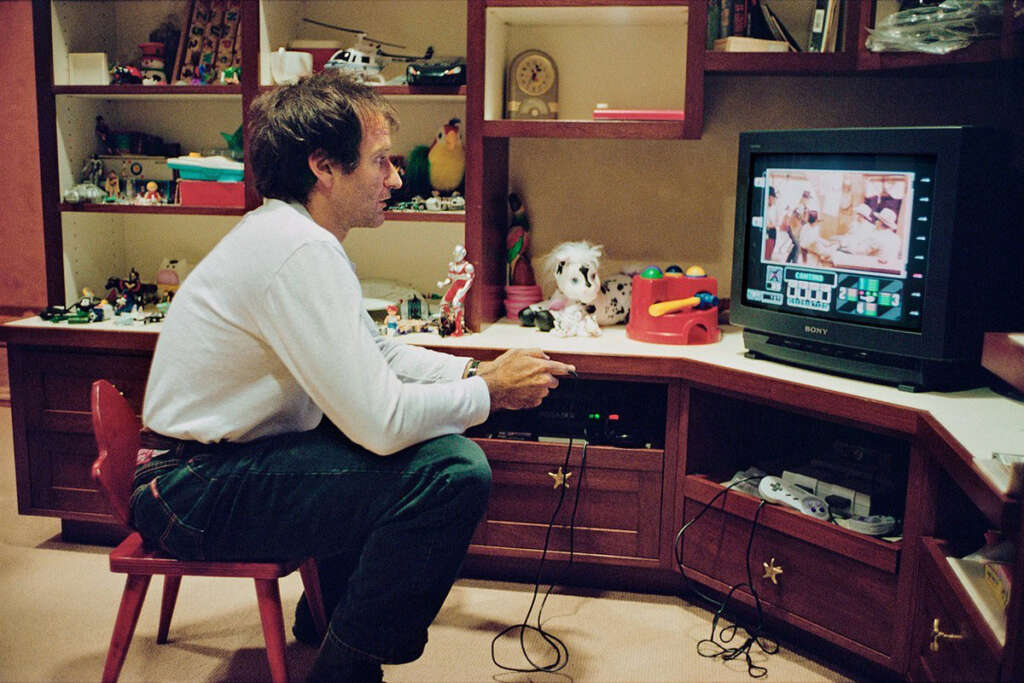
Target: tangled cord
(710, 647)
(561, 651)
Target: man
(272, 397)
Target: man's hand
(521, 378)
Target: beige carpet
(58, 601)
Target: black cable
(561, 658)
(709, 647)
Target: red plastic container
(687, 326)
(211, 193)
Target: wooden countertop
(978, 421)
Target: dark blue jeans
(389, 533)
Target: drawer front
(60, 465)
(618, 513)
(57, 385)
(967, 658)
(53, 401)
(833, 591)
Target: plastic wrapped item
(939, 29)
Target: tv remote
(775, 490)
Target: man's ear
(321, 166)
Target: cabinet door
(947, 642)
(811, 583)
(614, 518)
(53, 463)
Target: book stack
(733, 25)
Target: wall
(666, 202)
(22, 274)
(22, 271)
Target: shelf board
(773, 63)
(983, 51)
(427, 216)
(158, 209)
(417, 92)
(580, 128)
(149, 92)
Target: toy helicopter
(367, 58)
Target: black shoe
(339, 664)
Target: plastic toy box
(207, 168)
(211, 193)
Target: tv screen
(878, 253)
(841, 237)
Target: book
(819, 20)
(832, 25)
(745, 44)
(757, 24)
(714, 22)
(603, 114)
(739, 18)
(778, 28)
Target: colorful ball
(651, 273)
(695, 271)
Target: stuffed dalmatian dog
(582, 302)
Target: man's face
(358, 198)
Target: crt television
(877, 253)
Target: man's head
(326, 114)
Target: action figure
(152, 195)
(460, 277)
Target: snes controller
(871, 525)
(775, 490)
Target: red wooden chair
(117, 437)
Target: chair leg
(269, 599)
(171, 585)
(314, 598)
(135, 588)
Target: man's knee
(465, 467)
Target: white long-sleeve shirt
(268, 334)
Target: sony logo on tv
(814, 329)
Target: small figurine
(231, 75)
(112, 186)
(518, 270)
(391, 320)
(152, 63)
(122, 74)
(460, 277)
(152, 194)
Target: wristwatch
(471, 369)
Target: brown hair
(322, 112)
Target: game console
(842, 499)
(775, 490)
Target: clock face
(535, 74)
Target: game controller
(745, 481)
(872, 525)
(775, 490)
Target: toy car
(445, 71)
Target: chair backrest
(116, 427)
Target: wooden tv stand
(871, 598)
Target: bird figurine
(447, 157)
(517, 239)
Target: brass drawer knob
(561, 478)
(938, 634)
(772, 571)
